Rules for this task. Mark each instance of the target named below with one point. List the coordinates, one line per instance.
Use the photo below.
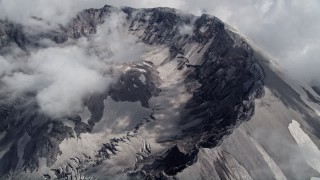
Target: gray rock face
(316, 89)
(311, 97)
(11, 33)
(229, 80)
(134, 85)
(227, 92)
(45, 143)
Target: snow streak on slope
(272, 165)
(309, 150)
(266, 136)
(194, 90)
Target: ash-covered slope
(195, 84)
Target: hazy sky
(62, 77)
(287, 30)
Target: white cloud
(113, 43)
(287, 30)
(62, 78)
(61, 11)
(71, 75)
(185, 29)
(63, 75)
(5, 66)
(53, 11)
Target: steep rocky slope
(190, 90)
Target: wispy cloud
(287, 30)
(63, 75)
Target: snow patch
(271, 163)
(142, 78)
(309, 150)
(203, 29)
(127, 69)
(147, 64)
(141, 70)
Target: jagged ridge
(229, 80)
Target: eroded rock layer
(213, 66)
